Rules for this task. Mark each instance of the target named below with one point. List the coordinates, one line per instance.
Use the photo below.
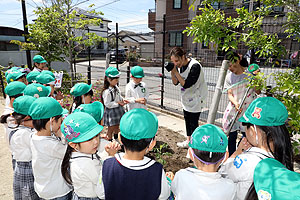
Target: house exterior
(178, 17)
(102, 48)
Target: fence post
(89, 67)
(117, 45)
(218, 92)
(128, 73)
(163, 63)
(2, 84)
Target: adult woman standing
(189, 74)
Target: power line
(107, 4)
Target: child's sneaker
(183, 144)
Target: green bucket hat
(273, 181)
(48, 72)
(80, 127)
(112, 72)
(37, 90)
(39, 59)
(137, 72)
(253, 67)
(265, 111)
(31, 76)
(44, 78)
(22, 104)
(45, 108)
(15, 88)
(80, 89)
(14, 75)
(209, 138)
(95, 109)
(138, 124)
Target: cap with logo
(95, 109)
(138, 124)
(209, 138)
(39, 59)
(31, 76)
(265, 111)
(14, 75)
(37, 90)
(253, 67)
(80, 89)
(137, 72)
(22, 104)
(80, 127)
(112, 72)
(273, 181)
(45, 108)
(11, 70)
(15, 88)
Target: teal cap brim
(95, 130)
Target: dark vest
(127, 184)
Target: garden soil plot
(176, 159)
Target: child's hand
(244, 145)
(121, 103)
(126, 101)
(59, 95)
(112, 148)
(170, 175)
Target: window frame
(176, 42)
(180, 4)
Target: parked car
(121, 56)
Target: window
(101, 25)
(218, 5)
(101, 45)
(175, 39)
(246, 4)
(176, 4)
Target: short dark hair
(19, 117)
(136, 145)
(40, 124)
(204, 155)
(15, 96)
(177, 52)
(233, 57)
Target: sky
(131, 15)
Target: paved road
(172, 94)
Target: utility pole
(117, 45)
(28, 56)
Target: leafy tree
(59, 32)
(227, 32)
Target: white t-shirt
(134, 92)
(194, 184)
(20, 144)
(85, 170)
(137, 165)
(241, 169)
(111, 97)
(47, 156)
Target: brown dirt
(177, 160)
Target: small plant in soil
(160, 152)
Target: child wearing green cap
(39, 63)
(208, 150)
(20, 137)
(95, 109)
(132, 175)
(82, 162)
(47, 150)
(136, 92)
(273, 181)
(268, 137)
(82, 93)
(113, 102)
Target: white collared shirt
(47, 156)
(241, 169)
(85, 170)
(111, 97)
(194, 184)
(132, 93)
(137, 165)
(20, 144)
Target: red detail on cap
(256, 113)
(251, 67)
